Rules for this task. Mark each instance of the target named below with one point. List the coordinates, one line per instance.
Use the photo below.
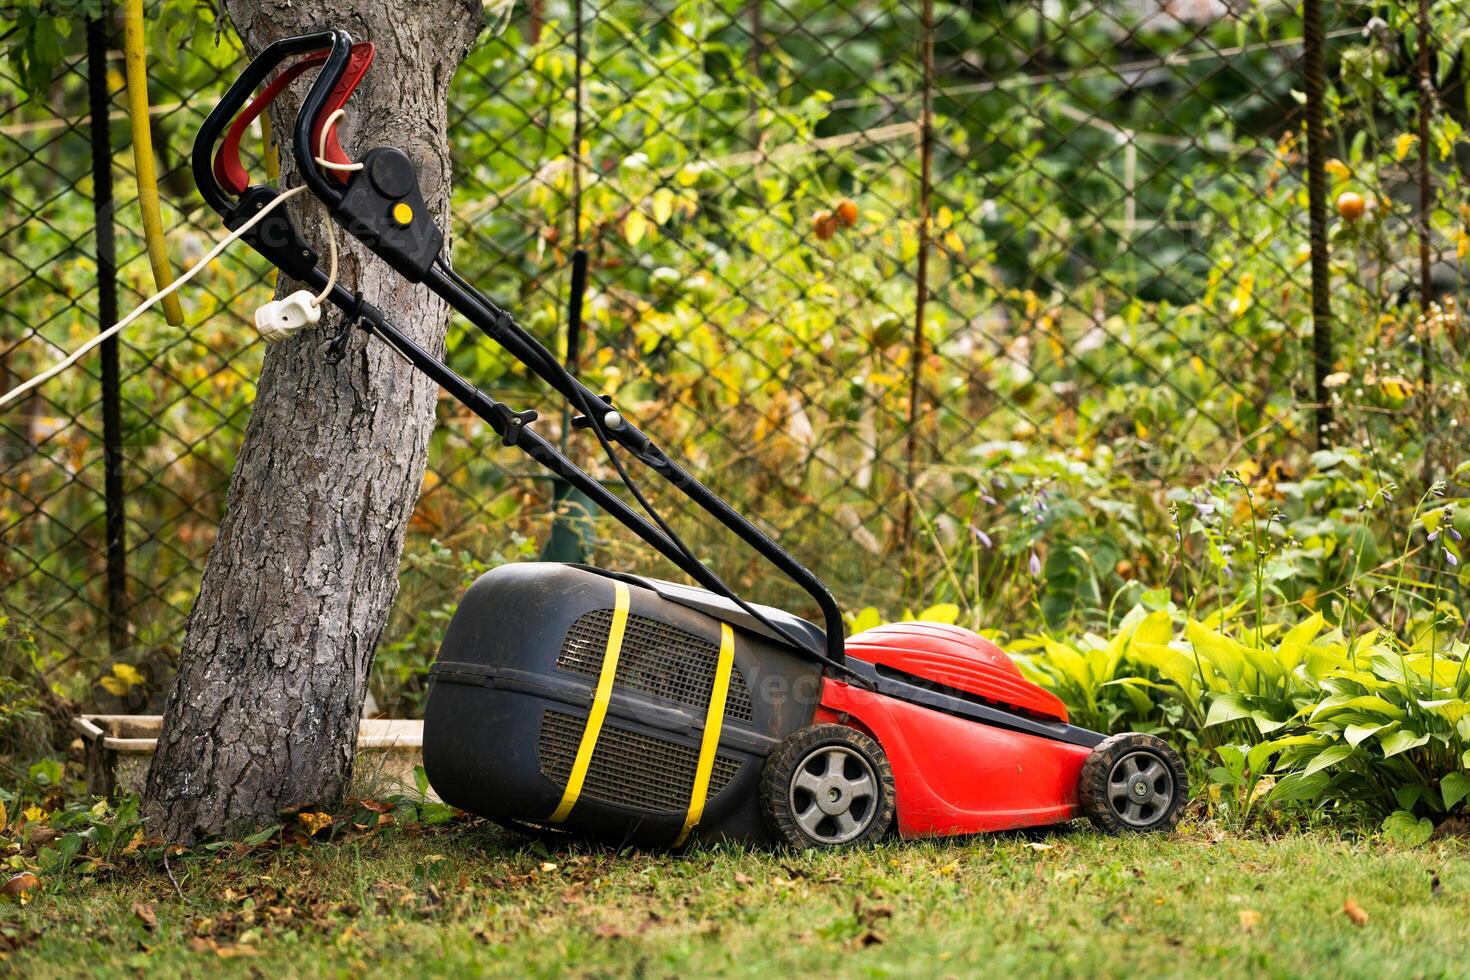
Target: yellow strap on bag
(713, 719)
(598, 711)
(135, 62)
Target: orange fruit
(847, 212)
(1350, 205)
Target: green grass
(466, 900)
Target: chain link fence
(951, 298)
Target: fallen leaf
(1036, 845)
(548, 865)
(145, 914)
(742, 879)
(38, 836)
(19, 886)
(871, 938)
(609, 930)
(1355, 912)
(1249, 919)
(315, 822)
(227, 951)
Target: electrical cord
(148, 303)
(321, 160)
(322, 147)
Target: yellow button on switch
(402, 213)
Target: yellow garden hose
(272, 168)
(268, 148)
(136, 62)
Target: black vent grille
(656, 658)
(627, 769)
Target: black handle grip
(316, 100)
(239, 93)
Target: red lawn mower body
(953, 775)
(635, 710)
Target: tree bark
(262, 717)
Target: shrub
(1368, 725)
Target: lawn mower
(636, 710)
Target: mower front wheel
(1133, 783)
(827, 786)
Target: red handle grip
(228, 169)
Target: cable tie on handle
(337, 349)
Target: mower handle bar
(509, 425)
(495, 323)
(501, 327)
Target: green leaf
(1402, 827)
(1233, 756)
(944, 612)
(261, 836)
(1450, 709)
(1220, 776)
(1156, 599)
(1155, 628)
(1071, 663)
(1174, 665)
(663, 205)
(1355, 734)
(1294, 644)
(1221, 652)
(1260, 755)
(1329, 756)
(1366, 703)
(635, 226)
(1227, 707)
(421, 781)
(1401, 741)
(868, 618)
(435, 813)
(1265, 723)
(1299, 787)
(1454, 788)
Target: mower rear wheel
(827, 786)
(1133, 783)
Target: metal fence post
(921, 293)
(1426, 285)
(112, 449)
(1322, 353)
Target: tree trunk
(263, 714)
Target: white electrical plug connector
(279, 319)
